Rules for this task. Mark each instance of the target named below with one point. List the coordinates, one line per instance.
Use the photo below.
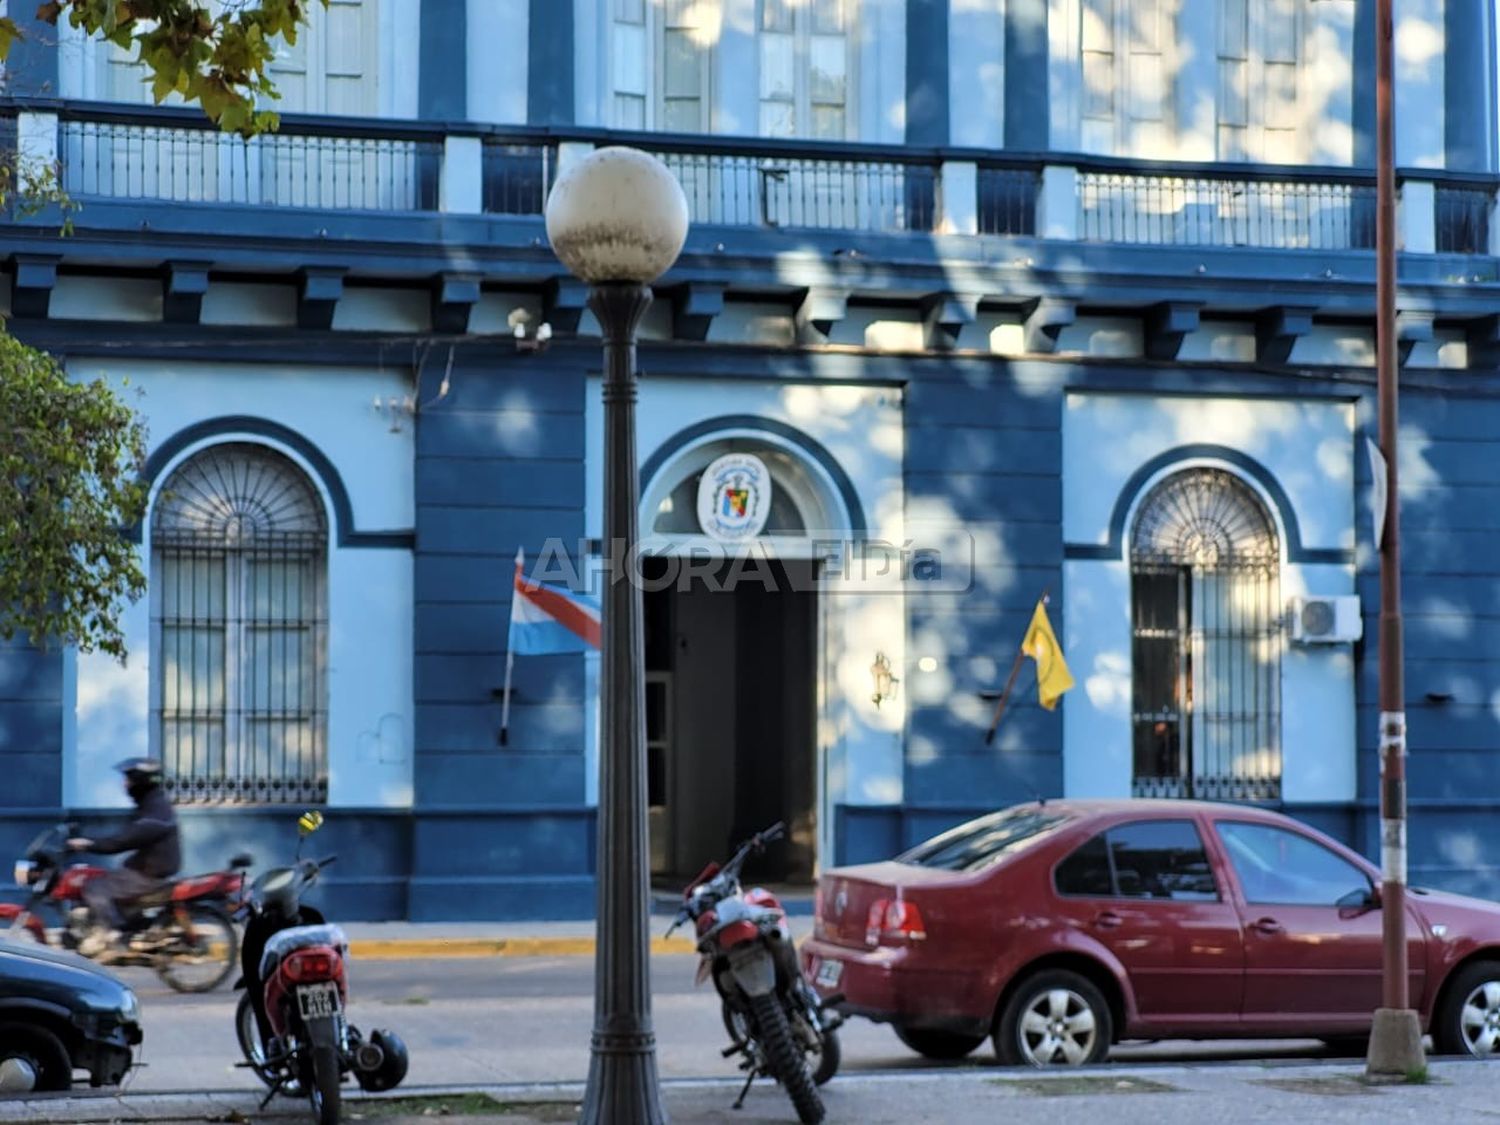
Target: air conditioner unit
(1326, 621)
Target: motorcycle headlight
(25, 872)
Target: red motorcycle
(183, 931)
(774, 1018)
(297, 1038)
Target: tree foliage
(217, 57)
(70, 460)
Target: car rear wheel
(1468, 1021)
(32, 1059)
(1054, 1018)
(932, 1043)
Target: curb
(398, 949)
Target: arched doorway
(734, 649)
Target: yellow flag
(1052, 675)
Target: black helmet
(141, 774)
(393, 1063)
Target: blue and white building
(1073, 296)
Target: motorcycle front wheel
(787, 1063)
(202, 961)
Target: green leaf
(9, 33)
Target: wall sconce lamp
(536, 342)
(886, 684)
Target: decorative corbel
(563, 302)
(183, 286)
(819, 310)
(1413, 326)
(454, 296)
(694, 307)
(1167, 325)
(946, 315)
(319, 289)
(31, 289)
(1044, 320)
(1277, 331)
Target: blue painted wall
(31, 733)
(501, 831)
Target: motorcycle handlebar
(325, 861)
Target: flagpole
(1015, 670)
(510, 649)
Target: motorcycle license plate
(828, 974)
(318, 1001)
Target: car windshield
(982, 842)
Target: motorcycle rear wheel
(204, 964)
(788, 1064)
(323, 1087)
(829, 1053)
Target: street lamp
(617, 219)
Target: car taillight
(311, 965)
(894, 920)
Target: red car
(1059, 928)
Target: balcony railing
(151, 154)
(1174, 209)
(183, 161)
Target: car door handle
(1266, 926)
(1107, 920)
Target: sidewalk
(384, 941)
(1234, 1094)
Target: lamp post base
(1396, 1053)
(622, 1087)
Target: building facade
(996, 300)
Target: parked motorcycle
(774, 1018)
(291, 1022)
(184, 931)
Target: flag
(549, 619)
(1052, 675)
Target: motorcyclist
(151, 837)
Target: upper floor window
(1206, 651)
(1124, 106)
(804, 69)
(664, 54)
(332, 68)
(239, 548)
(1260, 68)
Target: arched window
(239, 546)
(1207, 638)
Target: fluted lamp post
(617, 219)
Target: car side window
(1283, 868)
(1159, 859)
(1086, 871)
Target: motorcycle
(291, 1021)
(184, 931)
(775, 1020)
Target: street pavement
(507, 1010)
(1217, 1094)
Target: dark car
(60, 1013)
(1057, 929)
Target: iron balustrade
(182, 162)
(172, 154)
(1462, 218)
(517, 177)
(1181, 208)
(805, 192)
(1007, 200)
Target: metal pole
(1396, 1037)
(622, 1084)
(1392, 686)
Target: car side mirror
(1358, 902)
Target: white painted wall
(976, 73)
(370, 595)
(498, 60)
(861, 427)
(1309, 448)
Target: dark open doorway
(731, 716)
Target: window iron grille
(239, 560)
(1206, 641)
